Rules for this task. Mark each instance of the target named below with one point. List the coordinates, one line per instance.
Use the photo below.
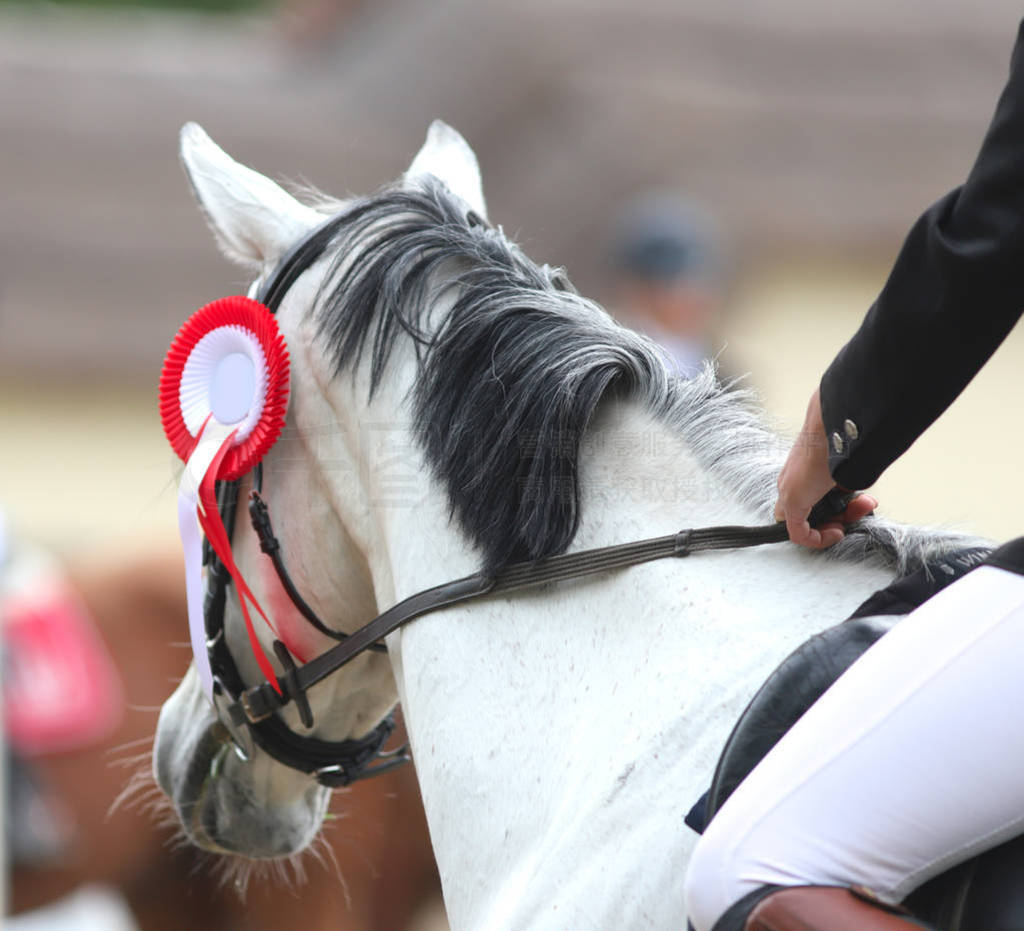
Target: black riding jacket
(956, 290)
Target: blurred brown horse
(383, 875)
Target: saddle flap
(801, 679)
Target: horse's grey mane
(511, 376)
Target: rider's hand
(805, 479)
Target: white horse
(455, 405)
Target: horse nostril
(208, 821)
(246, 832)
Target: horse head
(320, 481)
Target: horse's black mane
(511, 374)
(508, 380)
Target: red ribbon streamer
(213, 527)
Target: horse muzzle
(226, 803)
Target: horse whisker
(128, 744)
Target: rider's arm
(955, 292)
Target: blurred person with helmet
(668, 257)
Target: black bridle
(333, 763)
(251, 710)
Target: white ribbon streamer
(211, 439)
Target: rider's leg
(908, 764)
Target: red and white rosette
(223, 398)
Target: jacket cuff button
(850, 428)
(837, 443)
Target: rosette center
(232, 388)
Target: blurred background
(733, 178)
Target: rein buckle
(253, 706)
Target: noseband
(251, 711)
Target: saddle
(985, 893)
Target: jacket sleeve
(956, 290)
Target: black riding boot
(814, 908)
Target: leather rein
(251, 711)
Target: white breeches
(911, 762)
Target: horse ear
(253, 219)
(448, 157)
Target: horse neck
(532, 717)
